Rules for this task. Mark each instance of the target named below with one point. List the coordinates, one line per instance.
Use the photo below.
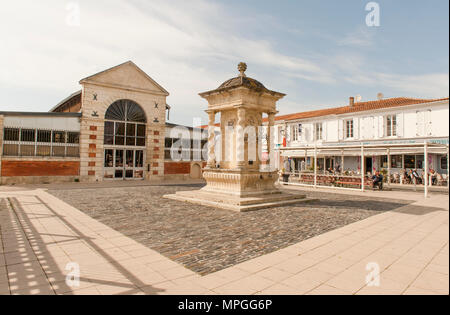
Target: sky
(319, 53)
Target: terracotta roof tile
(360, 107)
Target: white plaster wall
(51, 123)
(370, 125)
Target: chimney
(352, 101)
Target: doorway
(369, 165)
(124, 164)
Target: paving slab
(42, 236)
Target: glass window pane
(109, 160)
(131, 141)
(141, 130)
(119, 158)
(44, 136)
(444, 163)
(59, 137)
(129, 173)
(109, 128)
(118, 174)
(131, 130)
(396, 161)
(109, 140)
(28, 135)
(120, 140)
(394, 125)
(73, 137)
(120, 129)
(410, 161)
(130, 158)
(140, 142)
(139, 160)
(11, 134)
(419, 161)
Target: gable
(126, 76)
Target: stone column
(270, 141)
(211, 140)
(240, 139)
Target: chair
(396, 178)
(444, 179)
(440, 180)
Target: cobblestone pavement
(207, 240)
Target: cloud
(186, 46)
(361, 37)
(183, 45)
(425, 85)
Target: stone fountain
(238, 181)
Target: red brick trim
(92, 155)
(177, 168)
(93, 128)
(93, 137)
(91, 173)
(40, 168)
(91, 164)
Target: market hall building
(113, 129)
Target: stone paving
(40, 235)
(207, 240)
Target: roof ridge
(360, 107)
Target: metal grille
(37, 142)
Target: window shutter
(381, 126)
(400, 125)
(324, 131)
(363, 128)
(288, 133)
(371, 127)
(429, 123)
(356, 131)
(341, 129)
(420, 123)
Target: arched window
(126, 110)
(125, 124)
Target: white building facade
(383, 123)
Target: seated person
(433, 177)
(416, 176)
(377, 180)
